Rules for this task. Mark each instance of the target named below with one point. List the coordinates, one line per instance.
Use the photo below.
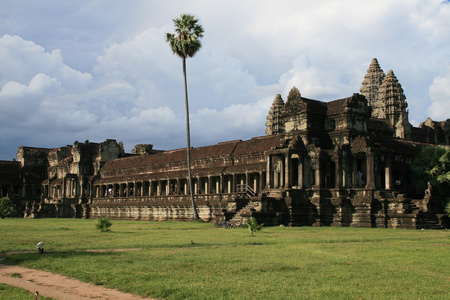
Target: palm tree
(185, 42)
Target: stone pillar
(287, 171)
(195, 191)
(267, 171)
(337, 175)
(370, 171)
(64, 186)
(317, 178)
(168, 187)
(282, 168)
(150, 188)
(316, 165)
(233, 185)
(261, 180)
(115, 190)
(300, 171)
(388, 173)
(208, 188)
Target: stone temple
(338, 163)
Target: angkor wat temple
(338, 163)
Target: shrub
(103, 224)
(6, 207)
(253, 226)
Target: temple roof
(220, 158)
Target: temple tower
(275, 123)
(390, 102)
(372, 81)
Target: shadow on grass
(20, 258)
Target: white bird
(40, 245)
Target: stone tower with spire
(391, 104)
(386, 97)
(275, 123)
(372, 81)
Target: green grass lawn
(8, 292)
(190, 260)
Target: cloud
(97, 70)
(440, 96)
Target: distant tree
(432, 165)
(185, 42)
(6, 207)
(424, 165)
(442, 169)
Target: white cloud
(97, 70)
(440, 96)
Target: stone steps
(241, 216)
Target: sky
(96, 70)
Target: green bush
(103, 224)
(253, 226)
(6, 207)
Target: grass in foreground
(8, 292)
(193, 260)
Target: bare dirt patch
(57, 286)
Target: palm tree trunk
(188, 147)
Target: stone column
(208, 185)
(388, 173)
(64, 186)
(261, 180)
(287, 171)
(115, 190)
(195, 191)
(300, 171)
(370, 171)
(338, 175)
(233, 185)
(150, 189)
(317, 177)
(267, 171)
(168, 187)
(282, 168)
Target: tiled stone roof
(227, 157)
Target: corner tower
(275, 123)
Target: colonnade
(218, 184)
(284, 169)
(298, 170)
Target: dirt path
(57, 286)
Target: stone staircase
(242, 215)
